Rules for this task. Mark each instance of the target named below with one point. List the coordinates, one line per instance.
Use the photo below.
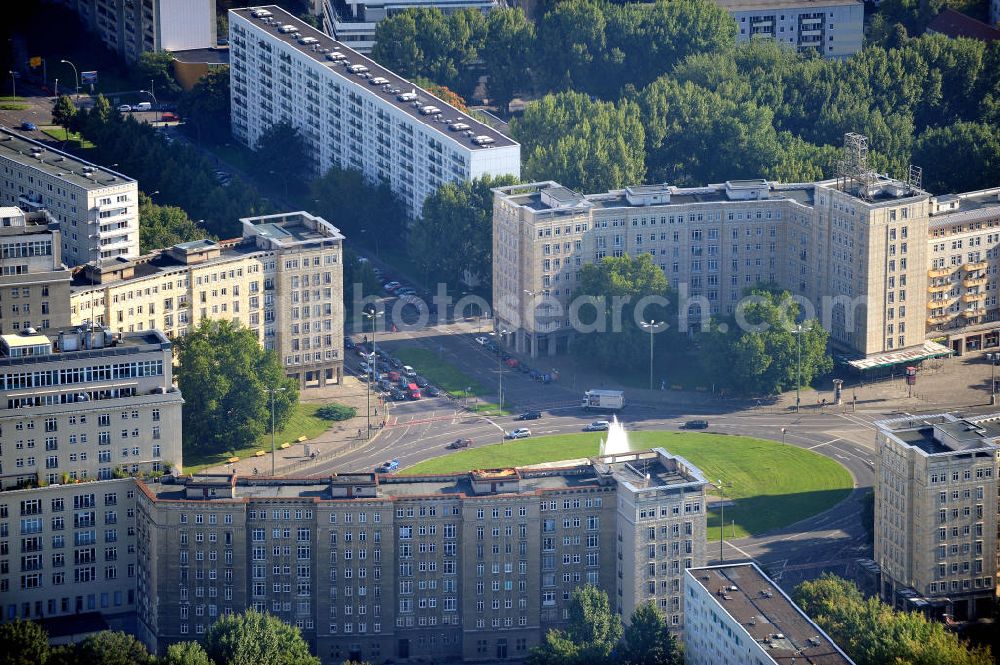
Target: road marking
(824, 443)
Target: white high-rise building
(97, 208)
(830, 28)
(353, 112)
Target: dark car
(396, 362)
(28, 126)
(431, 391)
(397, 395)
(348, 343)
(459, 443)
(529, 415)
(695, 424)
(420, 381)
(384, 385)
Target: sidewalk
(341, 437)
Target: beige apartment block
(97, 208)
(83, 403)
(70, 550)
(857, 257)
(936, 513)
(283, 279)
(34, 283)
(474, 566)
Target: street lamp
(994, 359)
(271, 392)
(155, 103)
(76, 75)
(651, 326)
(722, 519)
(13, 85)
(371, 314)
(798, 331)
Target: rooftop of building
(969, 206)
(73, 170)
(944, 433)
(27, 223)
(646, 470)
(85, 340)
(803, 5)
(203, 56)
(955, 24)
(387, 90)
(875, 189)
(286, 229)
(769, 616)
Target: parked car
(170, 116)
(421, 381)
(385, 385)
(124, 108)
(695, 424)
(348, 343)
(409, 371)
(414, 391)
(431, 391)
(529, 415)
(394, 376)
(482, 340)
(459, 443)
(519, 433)
(28, 126)
(391, 286)
(395, 362)
(396, 394)
(597, 426)
(143, 106)
(388, 467)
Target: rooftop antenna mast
(853, 172)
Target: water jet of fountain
(617, 441)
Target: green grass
(447, 377)
(772, 484)
(11, 106)
(59, 134)
(304, 422)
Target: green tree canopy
(647, 639)
(63, 113)
(113, 648)
(282, 153)
(23, 642)
(186, 653)
(453, 238)
(164, 226)
(507, 54)
(369, 213)
(157, 67)
(224, 374)
(964, 156)
(253, 638)
(591, 635)
(206, 107)
(872, 633)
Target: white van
(143, 106)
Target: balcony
(973, 266)
(973, 315)
(972, 297)
(941, 272)
(939, 288)
(970, 282)
(940, 319)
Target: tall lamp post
(722, 519)
(155, 103)
(651, 326)
(76, 75)
(13, 85)
(372, 315)
(798, 332)
(994, 359)
(271, 392)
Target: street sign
(35, 61)
(88, 77)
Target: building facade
(352, 112)
(81, 403)
(353, 22)
(858, 257)
(830, 28)
(737, 615)
(473, 566)
(97, 209)
(132, 27)
(284, 279)
(34, 283)
(936, 513)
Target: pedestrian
(663, 384)
(255, 471)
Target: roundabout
(767, 484)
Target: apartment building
(34, 283)
(964, 256)
(97, 208)
(474, 566)
(132, 27)
(70, 551)
(353, 22)
(83, 403)
(936, 513)
(283, 279)
(857, 256)
(830, 28)
(353, 112)
(737, 615)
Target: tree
(164, 226)
(23, 642)
(281, 151)
(618, 341)
(186, 653)
(63, 113)
(453, 238)
(254, 638)
(873, 633)
(648, 640)
(157, 68)
(360, 208)
(758, 354)
(224, 374)
(206, 107)
(507, 54)
(444, 93)
(591, 635)
(964, 156)
(571, 44)
(113, 648)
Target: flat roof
(926, 350)
(54, 162)
(326, 44)
(203, 56)
(804, 5)
(944, 433)
(123, 343)
(769, 616)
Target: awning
(913, 354)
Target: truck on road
(604, 399)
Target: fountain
(617, 441)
